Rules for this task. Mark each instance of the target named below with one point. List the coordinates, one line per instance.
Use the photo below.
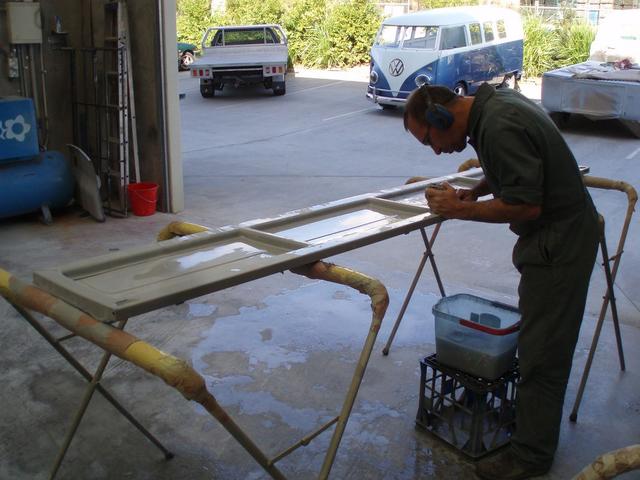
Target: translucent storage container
(476, 335)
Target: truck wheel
(207, 91)
(279, 88)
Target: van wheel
(387, 107)
(510, 82)
(460, 89)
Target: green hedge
(249, 12)
(304, 23)
(550, 44)
(351, 29)
(192, 19)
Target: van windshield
(420, 37)
(389, 36)
(394, 36)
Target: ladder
(116, 114)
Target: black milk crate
(475, 415)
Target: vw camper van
(460, 47)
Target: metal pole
(609, 297)
(88, 394)
(55, 343)
(428, 254)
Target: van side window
(502, 29)
(475, 34)
(453, 37)
(488, 31)
(389, 36)
(421, 37)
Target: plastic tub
(476, 335)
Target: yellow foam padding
(174, 371)
(4, 279)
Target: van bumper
(384, 97)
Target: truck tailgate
(236, 56)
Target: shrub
(540, 46)
(351, 28)
(304, 23)
(575, 43)
(550, 44)
(249, 12)
(192, 19)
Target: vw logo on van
(396, 67)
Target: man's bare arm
(447, 204)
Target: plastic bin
(476, 335)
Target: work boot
(506, 466)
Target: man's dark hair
(420, 100)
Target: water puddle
(316, 317)
(284, 332)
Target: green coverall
(526, 160)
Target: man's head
(437, 117)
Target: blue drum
(42, 182)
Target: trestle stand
(428, 254)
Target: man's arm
(480, 190)
(447, 204)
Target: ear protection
(435, 114)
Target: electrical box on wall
(24, 22)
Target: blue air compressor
(30, 180)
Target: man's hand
(445, 201)
(467, 195)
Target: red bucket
(143, 198)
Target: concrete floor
(279, 352)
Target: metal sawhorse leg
(610, 274)
(427, 255)
(94, 384)
(179, 374)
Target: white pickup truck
(242, 55)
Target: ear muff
(438, 116)
(435, 114)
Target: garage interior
(277, 352)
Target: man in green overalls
(537, 188)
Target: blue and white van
(460, 47)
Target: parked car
(186, 55)
(460, 47)
(242, 55)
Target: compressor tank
(28, 185)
